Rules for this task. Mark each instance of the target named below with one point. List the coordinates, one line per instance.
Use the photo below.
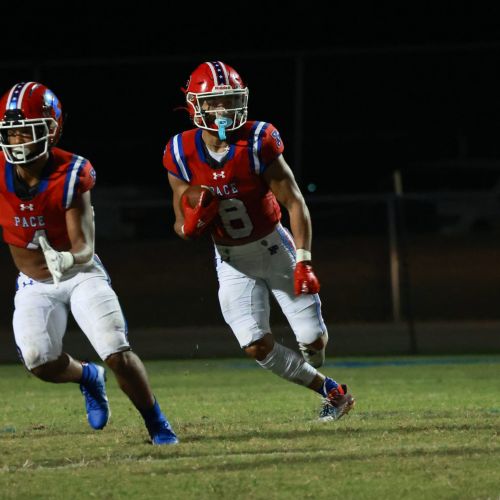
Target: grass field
(422, 428)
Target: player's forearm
(82, 252)
(81, 229)
(83, 241)
(300, 222)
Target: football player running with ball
(48, 223)
(241, 162)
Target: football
(193, 193)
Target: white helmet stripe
(226, 74)
(214, 74)
(10, 95)
(21, 96)
(16, 95)
(219, 72)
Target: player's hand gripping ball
(199, 207)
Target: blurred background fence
(395, 149)
(415, 274)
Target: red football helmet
(33, 109)
(217, 98)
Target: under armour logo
(274, 249)
(30, 282)
(29, 207)
(222, 174)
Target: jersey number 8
(235, 219)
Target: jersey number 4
(34, 244)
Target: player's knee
(49, 371)
(40, 371)
(314, 352)
(320, 342)
(261, 348)
(119, 361)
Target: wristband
(303, 255)
(68, 260)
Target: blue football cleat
(96, 400)
(162, 433)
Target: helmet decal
(16, 96)
(219, 72)
(51, 101)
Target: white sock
(289, 365)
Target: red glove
(305, 280)
(197, 219)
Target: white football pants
(41, 315)
(248, 272)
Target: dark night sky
(384, 87)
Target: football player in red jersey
(48, 223)
(242, 163)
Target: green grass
(417, 431)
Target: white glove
(57, 262)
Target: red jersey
(248, 208)
(24, 217)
